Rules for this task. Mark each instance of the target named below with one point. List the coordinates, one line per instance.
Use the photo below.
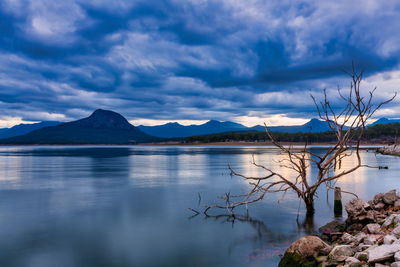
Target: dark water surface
(128, 206)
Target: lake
(128, 206)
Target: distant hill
(102, 127)
(177, 130)
(22, 129)
(170, 130)
(386, 121)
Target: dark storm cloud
(186, 59)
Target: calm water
(128, 206)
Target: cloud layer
(190, 60)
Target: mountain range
(108, 127)
(170, 130)
(23, 128)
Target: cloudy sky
(191, 60)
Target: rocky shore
(389, 150)
(370, 236)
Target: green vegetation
(376, 133)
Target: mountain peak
(105, 118)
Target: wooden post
(338, 207)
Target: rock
(390, 197)
(389, 239)
(353, 262)
(389, 220)
(396, 232)
(378, 198)
(304, 251)
(360, 237)
(395, 264)
(355, 227)
(362, 256)
(333, 226)
(380, 265)
(340, 253)
(381, 253)
(370, 216)
(373, 228)
(348, 238)
(379, 206)
(369, 240)
(355, 208)
(397, 204)
(397, 256)
(363, 247)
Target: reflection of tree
(268, 243)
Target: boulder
(304, 251)
(382, 253)
(397, 256)
(389, 220)
(397, 204)
(389, 239)
(369, 240)
(360, 237)
(379, 206)
(378, 198)
(331, 227)
(340, 253)
(355, 227)
(362, 256)
(390, 197)
(353, 262)
(373, 228)
(395, 264)
(396, 232)
(355, 208)
(348, 238)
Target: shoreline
(178, 143)
(370, 236)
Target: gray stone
(381, 253)
(309, 246)
(362, 256)
(389, 239)
(379, 206)
(373, 228)
(397, 256)
(390, 197)
(348, 238)
(396, 232)
(395, 264)
(397, 203)
(353, 262)
(380, 265)
(333, 226)
(369, 240)
(360, 237)
(378, 198)
(355, 208)
(363, 247)
(300, 251)
(389, 220)
(340, 253)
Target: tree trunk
(309, 202)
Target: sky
(191, 61)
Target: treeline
(380, 132)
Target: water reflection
(127, 206)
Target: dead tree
(348, 124)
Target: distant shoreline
(178, 143)
(249, 144)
